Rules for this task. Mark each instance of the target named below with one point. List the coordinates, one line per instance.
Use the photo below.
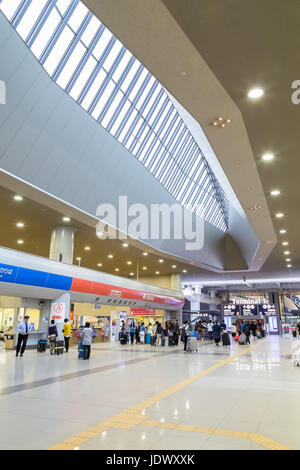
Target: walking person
(86, 339)
(52, 335)
(216, 333)
(23, 333)
(67, 333)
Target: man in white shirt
(23, 330)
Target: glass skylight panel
(102, 44)
(122, 66)
(120, 118)
(90, 31)
(90, 95)
(63, 5)
(30, 17)
(97, 71)
(83, 78)
(112, 56)
(71, 65)
(112, 109)
(58, 50)
(78, 16)
(46, 33)
(9, 7)
(103, 99)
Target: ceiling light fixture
(287, 253)
(20, 242)
(145, 254)
(78, 259)
(125, 245)
(20, 224)
(275, 192)
(254, 208)
(117, 269)
(255, 93)
(288, 260)
(184, 271)
(144, 268)
(87, 248)
(129, 262)
(267, 157)
(131, 274)
(174, 266)
(221, 122)
(66, 219)
(156, 272)
(160, 260)
(99, 264)
(110, 256)
(282, 231)
(285, 243)
(288, 265)
(18, 198)
(279, 215)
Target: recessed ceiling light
(288, 265)
(156, 272)
(66, 219)
(145, 254)
(99, 264)
(255, 93)
(288, 259)
(275, 192)
(285, 243)
(279, 215)
(117, 269)
(174, 266)
(184, 271)
(254, 208)
(287, 253)
(78, 259)
(18, 198)
(20, 242)
(267, 157)
(125, 245)
(129, 262)
(160, 260)
(131, 274)
(87, 248)
(99, 234)
(20, 224)
(282, 231)
(144, 268)
(110, 256)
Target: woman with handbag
(52, 335)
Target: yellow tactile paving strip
(134, 416)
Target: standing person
(176, 333)
(137, 333)
(233, 330)
(67, 333)
(247, 331)
(253, 328)
(86, 339)
(209, 330)
(184, 334)
(159, 334)
(132, 332)
(23, 333)
(216, 333)
(52, 335)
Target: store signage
(253, 301)
(143, 311)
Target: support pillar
(62, 244)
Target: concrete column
(62, 244)
(175, 283)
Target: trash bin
(9, 342)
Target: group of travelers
(154, 334)
(85, 337)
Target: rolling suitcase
(242, 339)
(59, 348)
(123, 339)
(192, 344)
(42, 345)
(225, 339)
(80, 351)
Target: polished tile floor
(140, 397)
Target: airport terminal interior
(149, 235)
